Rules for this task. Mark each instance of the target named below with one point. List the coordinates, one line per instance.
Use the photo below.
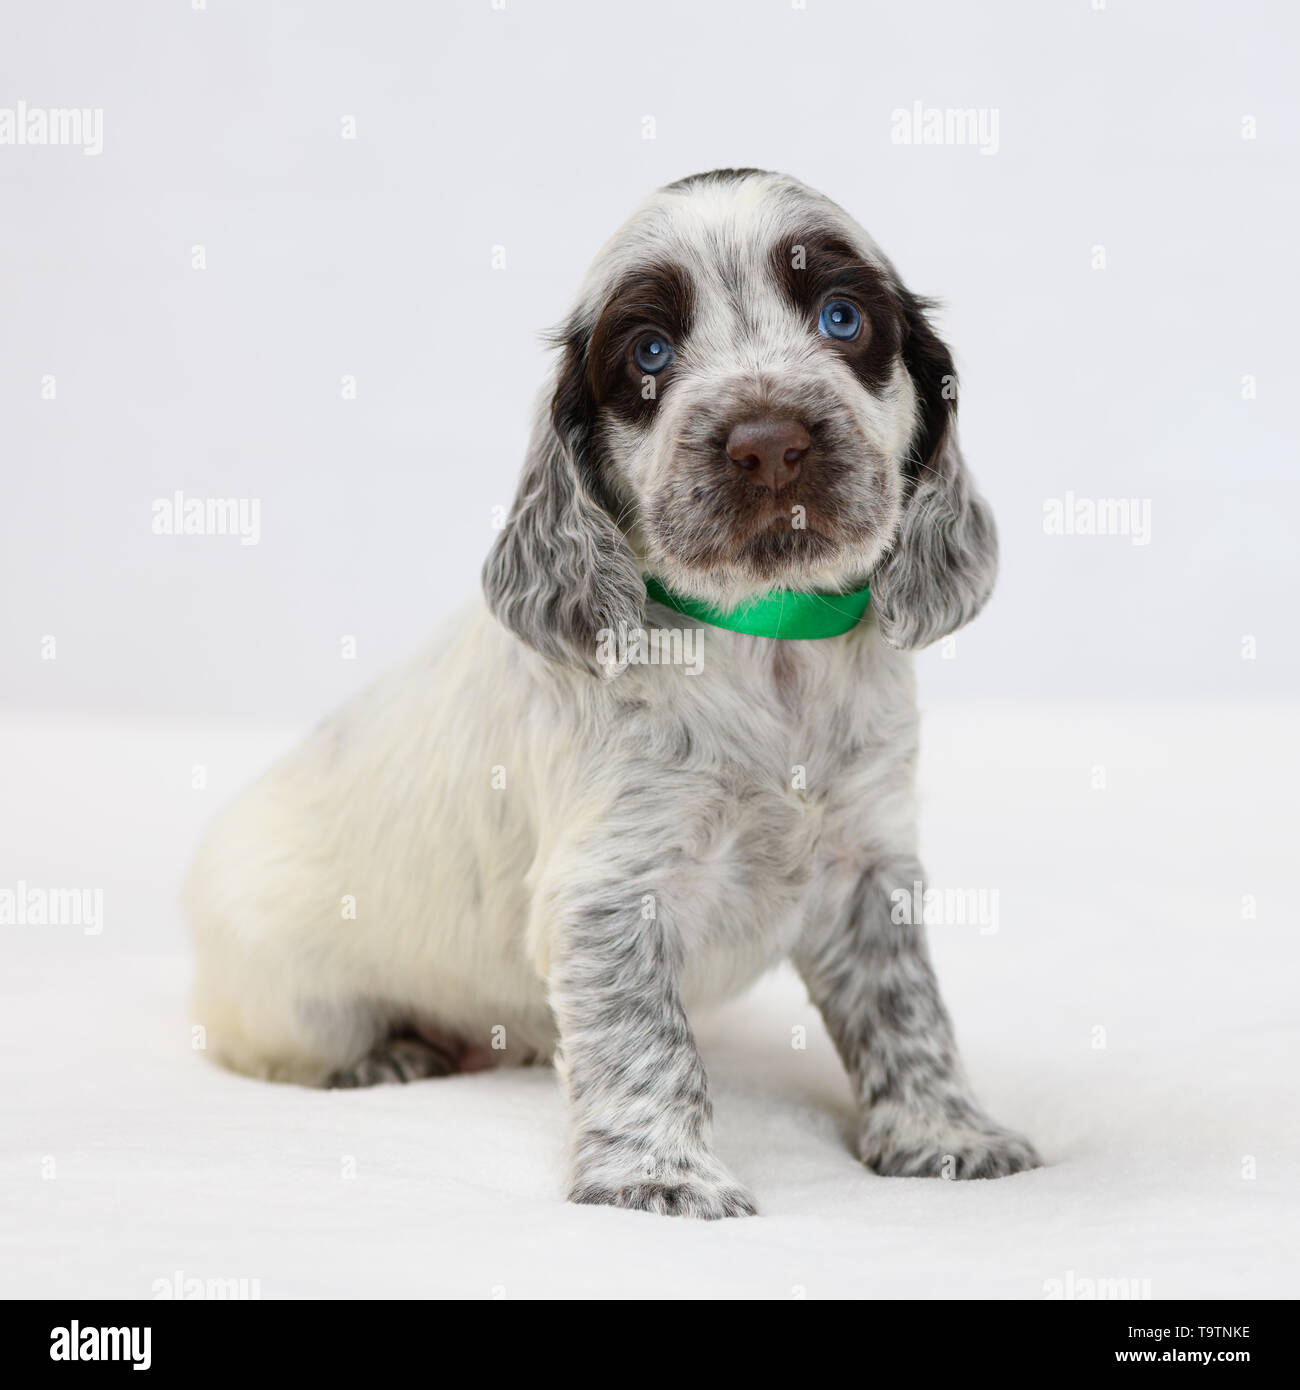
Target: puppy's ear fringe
(941, 568)
(561, 572)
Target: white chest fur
(764, 782)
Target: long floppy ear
(561, 572)
(944, 560)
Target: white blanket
(1128, 1000)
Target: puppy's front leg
(641, 1111)
(872, 980)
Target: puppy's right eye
(652, 353)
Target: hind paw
(402, 1059)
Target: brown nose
(770, 452)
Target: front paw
(702, 1188)
(908, 1146)
(672, 1197)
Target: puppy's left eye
(840, 319)
(652, 353)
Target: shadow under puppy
(553, 852)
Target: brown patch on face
(657, 299)
(829, 268)
(894, 324)
(597, 370)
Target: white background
(522, 128)
(1156, 904)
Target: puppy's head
(747, 399)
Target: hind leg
(260, 1031)
(283, 1003)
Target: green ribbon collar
(783, 613)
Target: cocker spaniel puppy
(676, 746)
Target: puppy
(534, 841)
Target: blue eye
(652, 354)
(840, 320)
